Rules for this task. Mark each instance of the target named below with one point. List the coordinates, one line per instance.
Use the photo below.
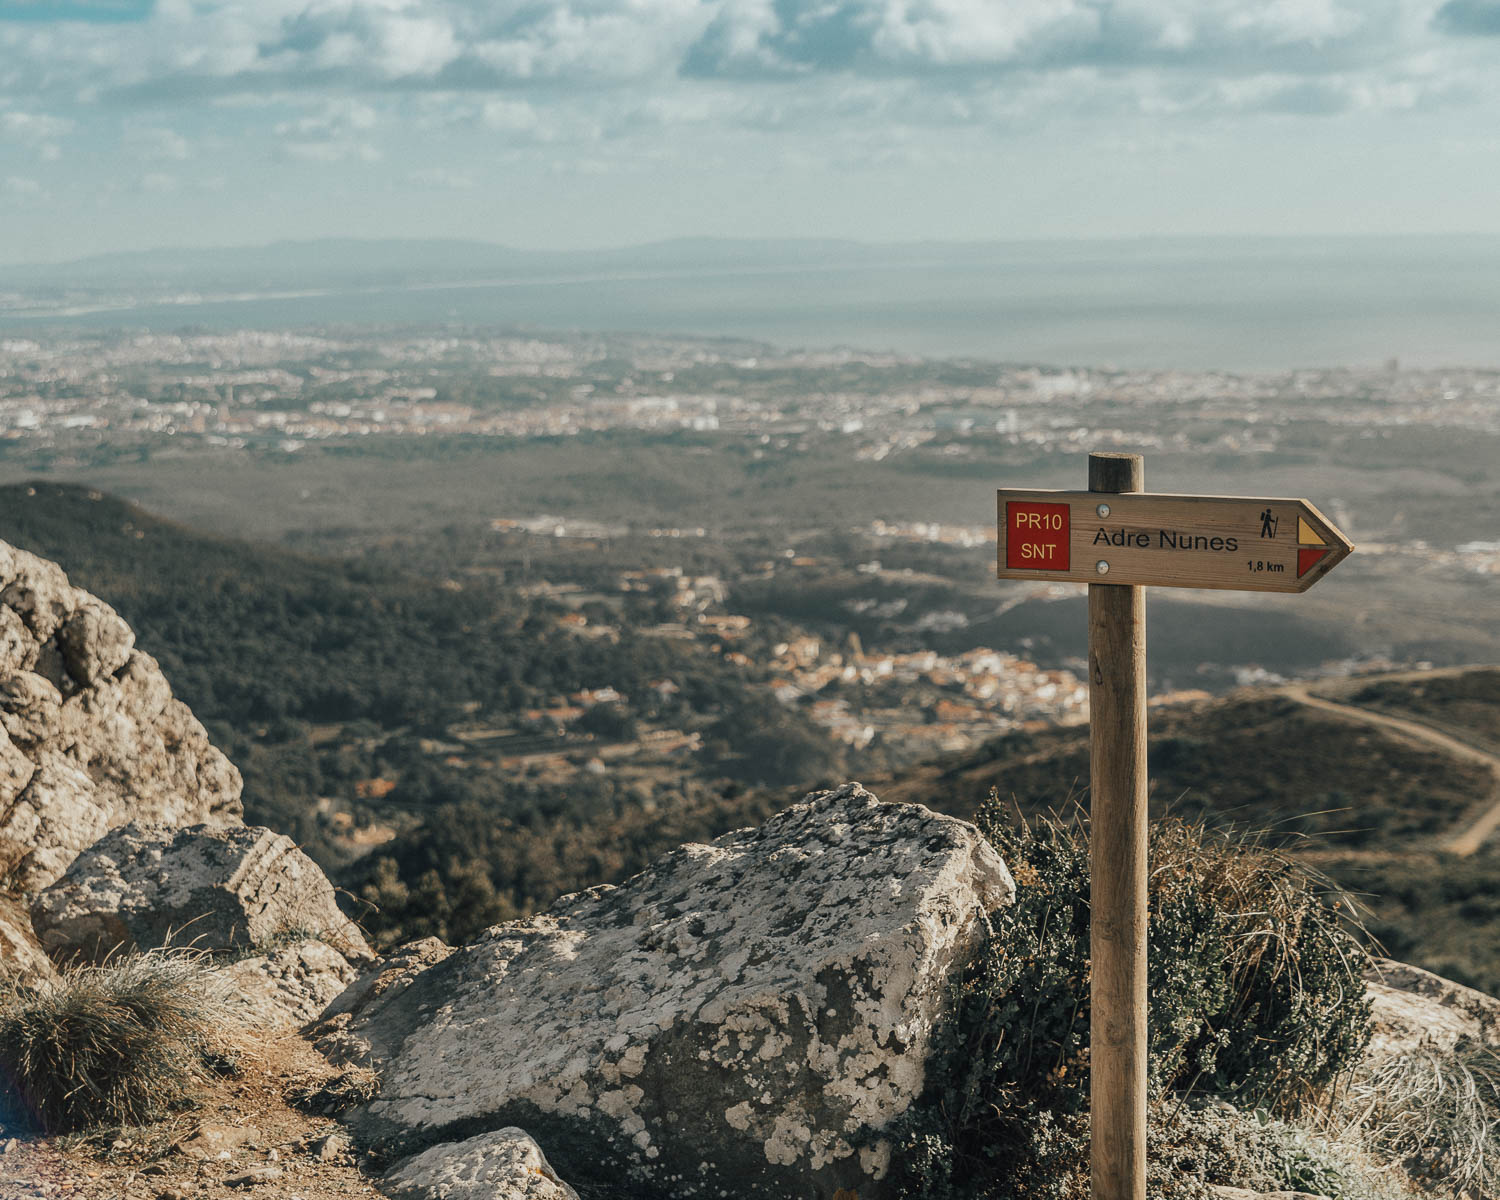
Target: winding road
(1473, 836)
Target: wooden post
(1117, 768)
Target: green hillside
(318, 677)
(1372, 809)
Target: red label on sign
(1036, 536)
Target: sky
(566, 124)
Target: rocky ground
(254, 1134)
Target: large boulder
(745, 1018)
(90, 736)
(218, 888)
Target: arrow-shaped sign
(1230, 542)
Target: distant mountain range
(1219, 303)
(345, 262)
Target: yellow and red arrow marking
(1311, 549)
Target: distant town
(70, 392)
(73, 401)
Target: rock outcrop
(745, 1018)
(503, 1165)
(381, 981)
(218, 888)
(90, 736)
(286, 987)
(1415, 1010)
(19, 953)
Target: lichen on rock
(504, 1165)
(743, 1018)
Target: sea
(1248, 304)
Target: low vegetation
(124, 1043)
(1439, 1114)
(1256, 998)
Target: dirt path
(1469, 840)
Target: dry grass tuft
(1438, 1112)
(123, 1043)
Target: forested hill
(336, 687)
(251, 634)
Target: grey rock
(217, 888)
(503, 1165)
(1237, 1193)
(1417, 1010)
(37, 591)
(255, 1176)
(744, 1018)
(210, 1142)
(20, 956)
(18, 649)
(95, 642)
(91, 735)
(16, 770)
(30, 708)
(288, 986)
(331, 1032)
(331, 1147)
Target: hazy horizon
(1080, 240)
(1209, 303)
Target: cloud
(323, 78)
(158, 144)
(772, 37)
(21, 187)
(1469, 18)
(331, 132)
(441, 177)
(32, 128)
(329, 152)
(192, 48)
(330, 120)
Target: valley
(489, 616)
(463, 725)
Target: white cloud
(338, 81)
(330, 152)
(33, 128)
(509, 116)
(331, 119)
(157, 144)
(22, 187)
(441, 177)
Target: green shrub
(118, 1044)
(1255, 993)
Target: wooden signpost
(1120, 539)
